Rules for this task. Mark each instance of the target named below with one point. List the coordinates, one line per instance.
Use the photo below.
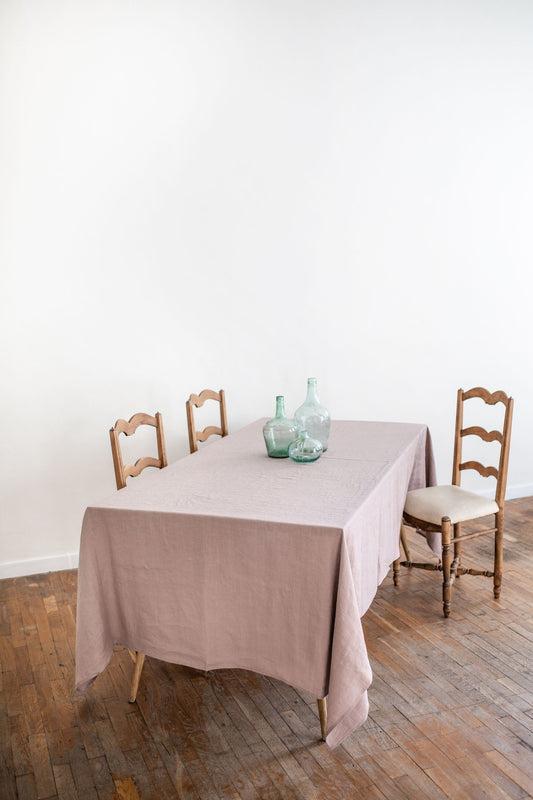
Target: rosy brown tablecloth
(228, 558)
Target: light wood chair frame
(123, 471)
(450, 563)
(197, 401)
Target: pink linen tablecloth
(228, 558)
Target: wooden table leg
(323, 714)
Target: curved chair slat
(491, 398)
(485, 471)
(198, 400)
(211, 430)
(129, 427)
(131, 470)
(476, 430)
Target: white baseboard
(512, 492)
(515, 492)
(35, 566)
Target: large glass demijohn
(313, 417)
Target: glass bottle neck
(312, 395)
(280, 406)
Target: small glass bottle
(313, 416)
(279, 431)
(305, 448)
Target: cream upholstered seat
(439, 511)
(436, 502)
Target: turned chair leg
(457, 546)
(498, 555)
(446, 532)
(139, 663)
(323, 714)
(396, 572)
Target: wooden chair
(123, 471)
(196, 401)
(443, 509)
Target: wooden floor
(450, 706)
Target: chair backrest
(122, 471)
(196, 401)
(503, 437)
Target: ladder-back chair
(443, 509)
(196, 401)
(123, 471)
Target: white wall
(236, 194)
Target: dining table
(228, 558)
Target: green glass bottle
(305, 449)
(279, 431)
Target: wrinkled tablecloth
(228, 558)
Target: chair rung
(464, 571)
(474, 535)
(421, 565)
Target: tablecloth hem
(353, 719)
(81, 685)
(249, 665)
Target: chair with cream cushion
(439, 511)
